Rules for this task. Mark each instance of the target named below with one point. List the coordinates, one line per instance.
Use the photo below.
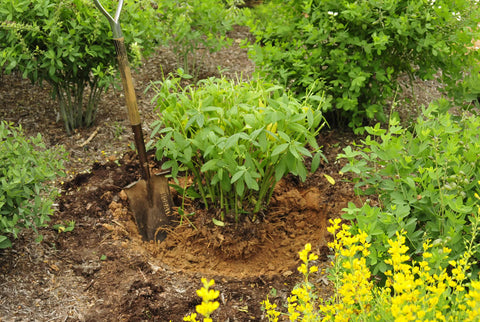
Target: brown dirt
(103, 271)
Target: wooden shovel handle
(132, 107)
(126, 75)
(131, 99)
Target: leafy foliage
(68, 44)
(236, 140)
(426, 181)
(195, 25)
(355, 50)
(26, 167)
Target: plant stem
(266, 184)
(199, 184)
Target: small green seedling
(65, 227)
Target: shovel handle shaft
(132, 107)
(142, 153)
(126, 76)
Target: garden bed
(102, 270)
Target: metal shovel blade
(151, 202)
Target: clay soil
(103, 271)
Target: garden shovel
(149, 198)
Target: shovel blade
(151, 208)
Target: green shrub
(26, 195)
(355, 50)
(425, 179)
(236, 140)
(194, 25)
(68, 44)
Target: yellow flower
(191, 318)
(312, 257)
(304, 253)
(272, 314)
(427, 255)
(347, 265)
(207, 295)
(272, 128)
(207, 308)
(439, 316)
(335, 225)
(302, 269)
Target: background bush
(194, 26)
(26, 195)
(426, 180)
(68, 44)
(356, 50)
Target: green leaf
(240, 187)
(218, 222)
(5, 242)
(302, 171)
(209, 165)
(303, 151)
(238, 175)
(280, 149)
(251, 183)
(293, 150)
(315, 162)
(281, 169)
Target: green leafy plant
(118, 130)
(355, 50)
(236, 140)
(425, 180)
(65, 227)
(26, 169)
(67, 43)
(193, 26)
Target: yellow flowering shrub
(208, 305)
(433, 289)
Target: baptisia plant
(236, 141)
(27, 169)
